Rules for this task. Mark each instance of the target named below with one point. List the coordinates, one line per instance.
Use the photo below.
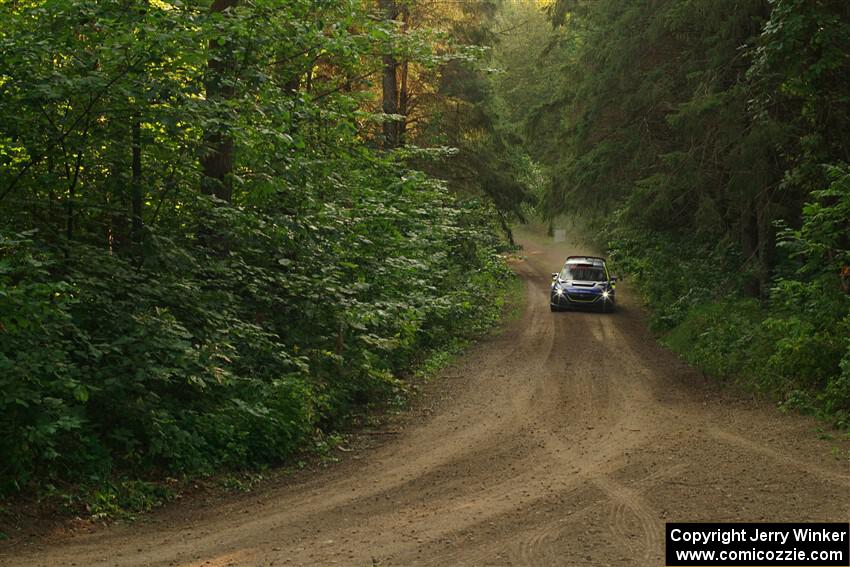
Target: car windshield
(583, 272)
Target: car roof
(594, 260)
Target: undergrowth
(792, 345)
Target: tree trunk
(403, 95)
(766, 243)
(402, 104)
(390, 83)
(136, 197)
(507, 228)
(749, 246)
(217, 160)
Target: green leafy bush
(793, 346)
(190, 362)
(723, 338)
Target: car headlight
(605, 294)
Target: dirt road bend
(568, 439)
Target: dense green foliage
(708, 143)
(205, 255)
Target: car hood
(578, 284)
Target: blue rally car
(584, 282)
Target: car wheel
(553, 308)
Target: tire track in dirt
(836, 477)
(619, 502)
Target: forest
(227, 227)
(707, 144)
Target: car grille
(584, 297)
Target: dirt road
(568, 439)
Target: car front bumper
(570, 298)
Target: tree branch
(83, 115)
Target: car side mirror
(554, 275)
(613, 279)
